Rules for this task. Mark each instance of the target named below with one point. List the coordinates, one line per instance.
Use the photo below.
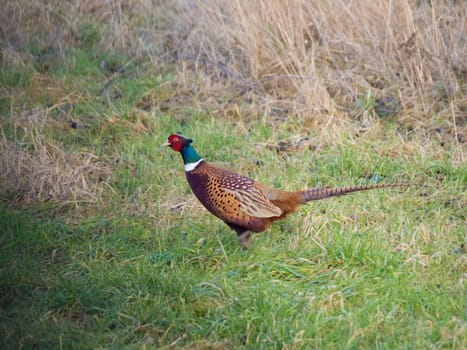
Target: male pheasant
(242, 203)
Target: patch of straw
(35, 169)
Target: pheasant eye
(176, 139)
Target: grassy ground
(104, 246)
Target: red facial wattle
(176, 142)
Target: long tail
(325, 192)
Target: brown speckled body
(219, 191)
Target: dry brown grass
(319, 55)
(34, 168)
(284, 58)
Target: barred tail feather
(326, 192)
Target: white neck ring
(192, 166)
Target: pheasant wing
(252, 202)
(248, 197)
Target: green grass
(376, 270)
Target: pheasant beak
(165, 144)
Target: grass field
(103, 245)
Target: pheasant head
(180, 143)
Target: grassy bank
(104, 246)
